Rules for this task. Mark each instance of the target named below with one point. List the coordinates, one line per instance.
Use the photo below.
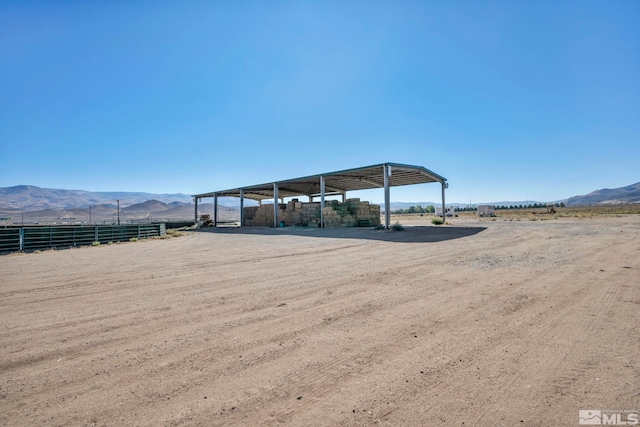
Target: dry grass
(539, 214)
(173, 232)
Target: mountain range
(608, 196)
(28, 200)
(605, 196)
(31, 198)
(148, 211)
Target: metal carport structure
(384, 175)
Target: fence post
(138, 231)
(21, 239)
(96, 238)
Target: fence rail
(32, 238)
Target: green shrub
(397, 226)
(437, 221)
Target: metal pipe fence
(32, 238)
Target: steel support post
(195, 216)
(444, 213)
(275, 205)
(387, 203)
(241, 208)
(215, 209)
(322, 202)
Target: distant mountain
(28, 198)
(31, 198)
(149, 206)
(149, 211)
(628, 194)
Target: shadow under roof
(363, 178)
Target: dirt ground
(492, 323)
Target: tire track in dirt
(554, 325)
(249, 329)
(288, 411)
(354, 333)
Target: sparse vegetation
(95, 244)
(415, 209)
(397, 226)
(174, 233)
(525, 214)
(437, 221)
(133, 239)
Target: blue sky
(535, 100)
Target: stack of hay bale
(260, 216)
(251, 215)
(351, 213)
(310, 214)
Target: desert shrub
(437, 221)
(397, 226)
(95, 243)
(133, 239)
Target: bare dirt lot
(492, 323)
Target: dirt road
(479, 324)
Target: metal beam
(387, 202)
(444, 213)
(332, 188)
(241, 207)
(215, 209)
(321, 202)
(275, 205)
(371, 182)
(330, 193)
(195, 219)
(431, 176)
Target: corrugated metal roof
(363, 178)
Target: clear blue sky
(509, 100)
